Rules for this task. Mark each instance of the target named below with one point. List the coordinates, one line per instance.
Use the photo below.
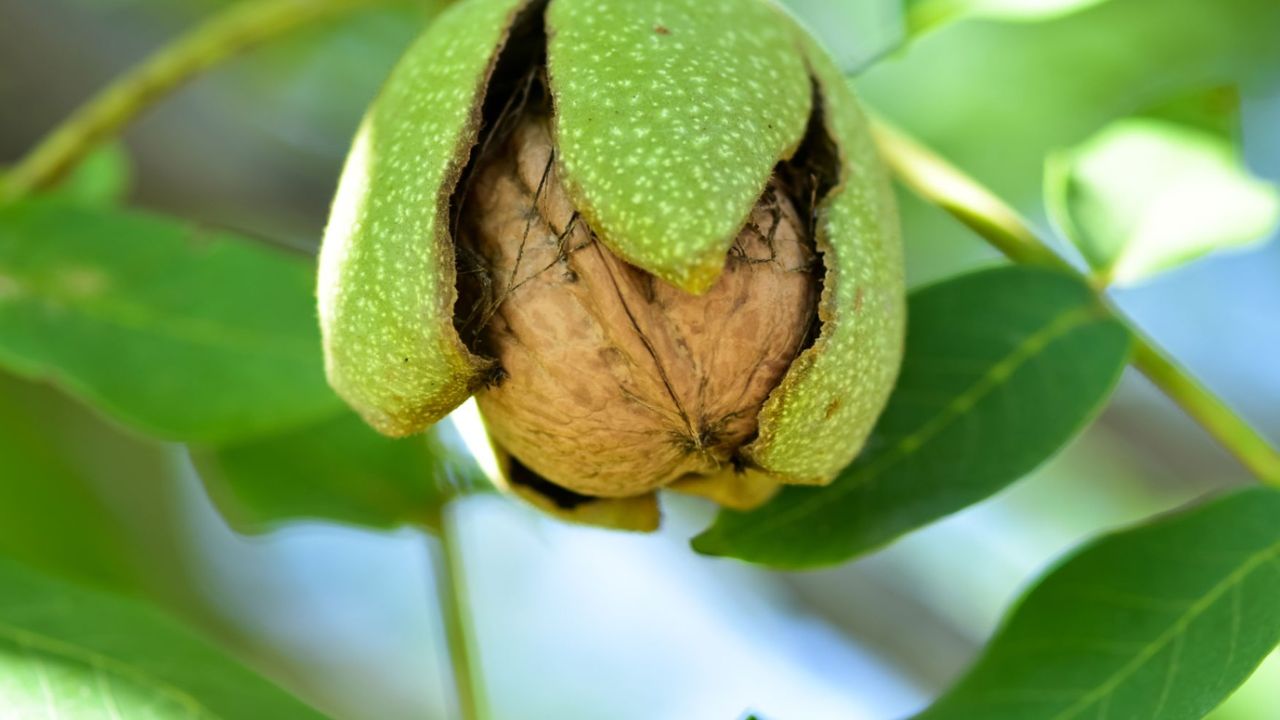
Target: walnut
(612, 382)
(654, 239)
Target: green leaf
(1002, 368)
(1029, 9)
(82, 498)
(1056, 82)
(1147, 195)
(926, 14)
(103, 178)
(1162, 621)
(51, 517)
(1215, 110)
(670, 118)
(340, 470)
(68, 652)
(179, 331)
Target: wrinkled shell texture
(616, 383)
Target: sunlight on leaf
(68, 653)
(1147, 195)
(1002, 368)
(1161, 621)
(925, 15)
(1257, 697)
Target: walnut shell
(613, 382)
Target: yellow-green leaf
(1147, 195)
(69, 653)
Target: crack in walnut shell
(614, 383)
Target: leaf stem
(451, 593)
(229, 33)
(1228, 428)
(939, 182)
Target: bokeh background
(579, 623)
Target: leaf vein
(1266, 557)
(32, 642)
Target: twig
(225, 35)
(451, 594)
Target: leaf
(182, 332)
(927, 14)
(68, 652)
(1162, 621)
(51, 517)
(1002, 368)
(82, 498)
(102, 178)
(338, 469)
(1146, 195)
(1029, 9)
(1215, 110)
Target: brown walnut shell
(614, 383)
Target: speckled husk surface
(670, 129)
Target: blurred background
(579, 623)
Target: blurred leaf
(309, 89)
(1002, 368)
(339, 469)
(1257, 697)
(995, 98)
(103, 178)
(68, 652)
(924, 15)
(182, 332)
(1215, 110)
(82, 498)
(1160, 621)
(1148, 195)
(51, 517)
(855, 33)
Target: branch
(942, 184)
(451, 594)
(233, 31)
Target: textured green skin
(819, 417)
(387, 279)
(670, 118)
